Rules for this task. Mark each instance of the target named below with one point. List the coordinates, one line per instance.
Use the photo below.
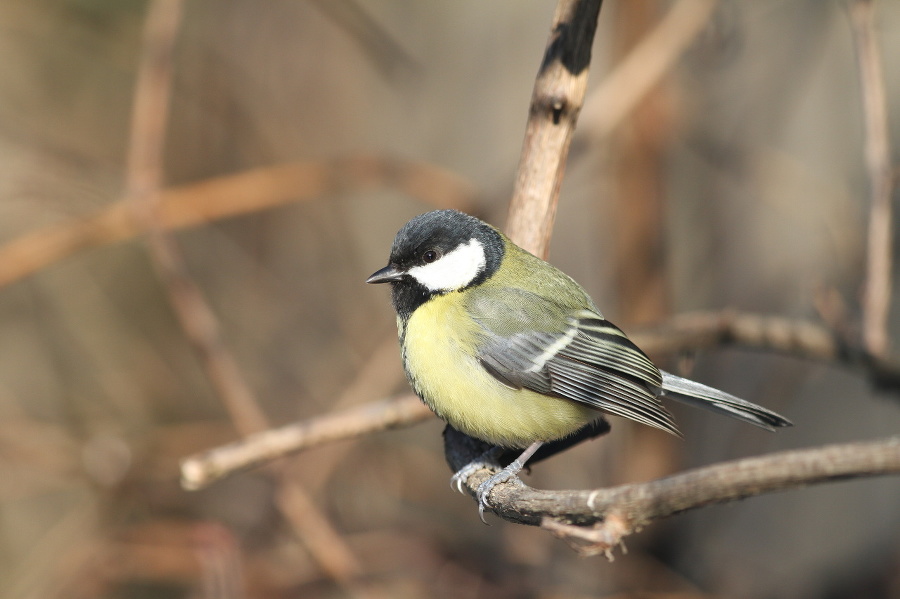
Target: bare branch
(144, 180)
(200, 470)
(379, 374)
(877, 294)
(144, 176)
(234, 195)
(623, 89)
(555, 103)
(791, 337)
(619, 511)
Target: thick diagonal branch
(555, 103)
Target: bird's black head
(436, 253)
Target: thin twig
(200, 470)
(327, 547)
(145, 174)
(144, 181)
(622, 90)
(375, 42)
(697, 331)
(555, 103)
(877, 293)
(234, 195)
(378, 375)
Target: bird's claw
(484, 490)
(458, 480)
(487, 461)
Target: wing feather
(609, 392)
(584, 358)
(564, 347)
(602, 343)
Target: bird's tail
(696, 394)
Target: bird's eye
(430, 256)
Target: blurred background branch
(659, 50)
(228, 196)
(200, 325)
(877, 292)
(144, 180)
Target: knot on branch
(556, 107)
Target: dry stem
(877, 293)
(623, 89)
(200, 470)
(233, 195)
(145, 175)
(555, 103)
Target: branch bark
(203, 469)
(555, 103)
(806, 340)
(597, 520)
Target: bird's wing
(543, 344)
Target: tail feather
(697, 394)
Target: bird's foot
(487, 460)
(484, 489)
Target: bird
(508, 349)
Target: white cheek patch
(454, 270)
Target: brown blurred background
(738, 183)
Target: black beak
(388, 274)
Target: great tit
(510, 350)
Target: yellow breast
(462, 392)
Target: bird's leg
(508, 473)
